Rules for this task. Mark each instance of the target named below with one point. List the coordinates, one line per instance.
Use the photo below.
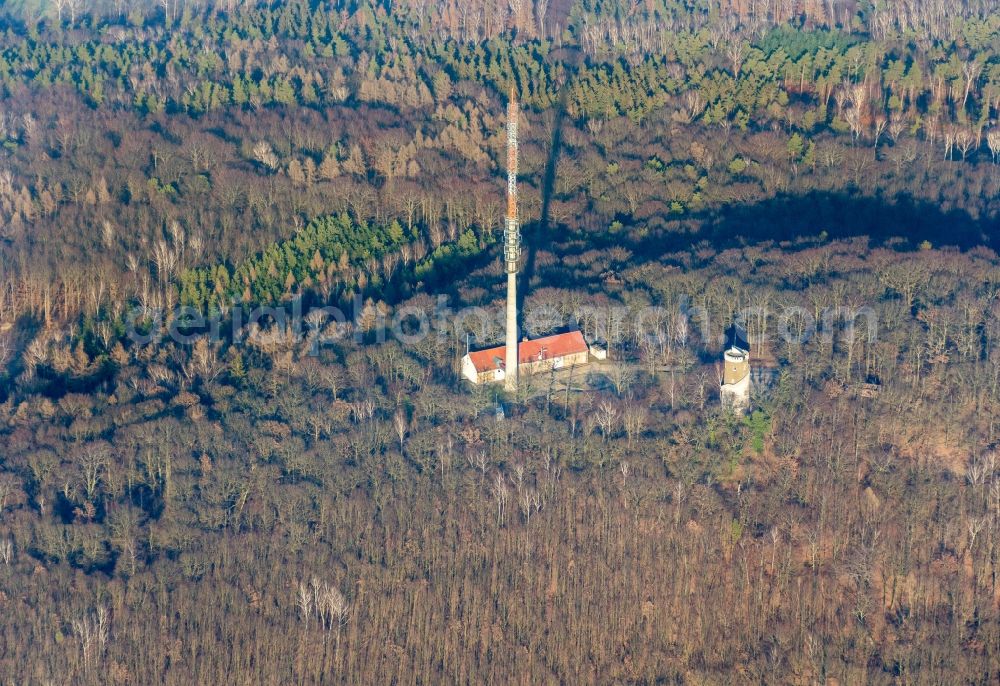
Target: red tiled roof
(545, 348)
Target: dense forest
(280, 504)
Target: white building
(542, 354)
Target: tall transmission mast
(511, 246)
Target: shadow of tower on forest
(540, 230)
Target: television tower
(511, 246)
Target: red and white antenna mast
(511, 245)
(512, 231)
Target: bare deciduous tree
(59, 6)
(541, 9)
(878, 128)
(264, 154)
(971, 71)
(400, 423)
(606, 416)
(8, 485)
(74, 7)
(501, 493)
(965, 140)
(993, 141)
(693, 105)
(92, 629)
(325, 601)
(168, 6)
(6, 350)
(304, 601)
(515, 10)
(622, 375)
(736, 50)
(634, 417)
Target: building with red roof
(542, 354)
